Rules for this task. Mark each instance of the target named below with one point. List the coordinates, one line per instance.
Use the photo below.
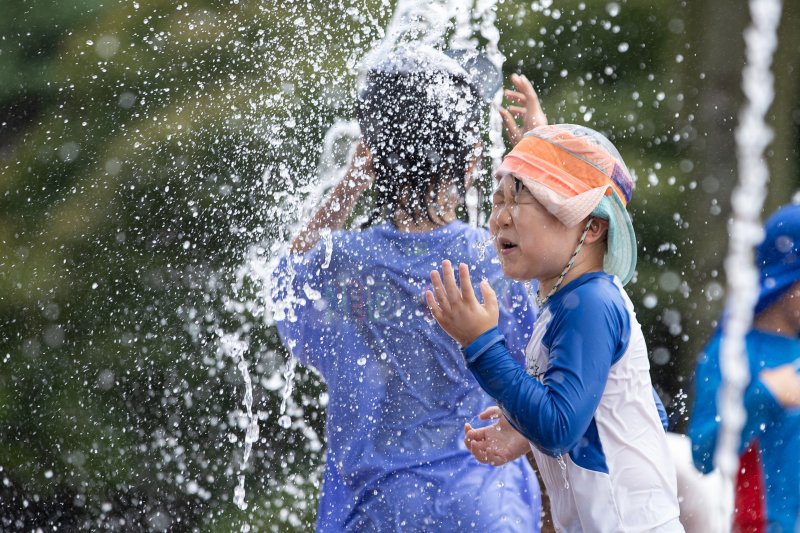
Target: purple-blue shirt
(399, 389)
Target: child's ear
(598, 230)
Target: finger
(478, 450)
(535, 116)
(517, 111)
(467, 292)
(523, 86)
(490, 413)
(483, 454)
(510, 125)
(436, 311)
(450, 285)
(476, 435)
(489, 299)
(439, 291)
(515, 96)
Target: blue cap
(778, 256)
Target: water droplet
(238, 495)
(563, 466)
(252, 432)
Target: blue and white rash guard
(586, 405)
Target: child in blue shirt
(584, 404)
(768, 484)
(399, 392)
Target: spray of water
(412, 21)
(232, 346)
(752, 137)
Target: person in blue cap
(768, 485)
(399, 391)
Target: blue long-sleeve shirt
(586, 403)
(773, 429)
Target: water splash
(482, 246)
(529, 288)
(486, 13)
(285, 420)
(233, 346)
(752, 137)
(327, 238)
(563, 466)
(413, 21)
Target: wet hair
(421, 128)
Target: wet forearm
(331, 215)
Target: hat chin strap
(541, 301)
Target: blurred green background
(150, 149)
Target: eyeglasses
(521, 196)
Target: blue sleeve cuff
(479, 346)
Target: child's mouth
(506, 245)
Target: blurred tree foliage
(149, 149)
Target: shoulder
(595, 312)
(460, 231)
(352, 244)
(597, 293)
(326, 255)
(472, 245)
(595, 304)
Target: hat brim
(621, 255)
(570, 211)
(773, 287)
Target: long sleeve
(759, 403)
(556, 412)
(304, 294)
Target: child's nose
(502, 214)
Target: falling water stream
(752, 137)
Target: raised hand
(458, 311)
(784, 383)
(360, 172)
(333, 212)
(496, 444)
(529, 108)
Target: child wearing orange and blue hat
(584, 404)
